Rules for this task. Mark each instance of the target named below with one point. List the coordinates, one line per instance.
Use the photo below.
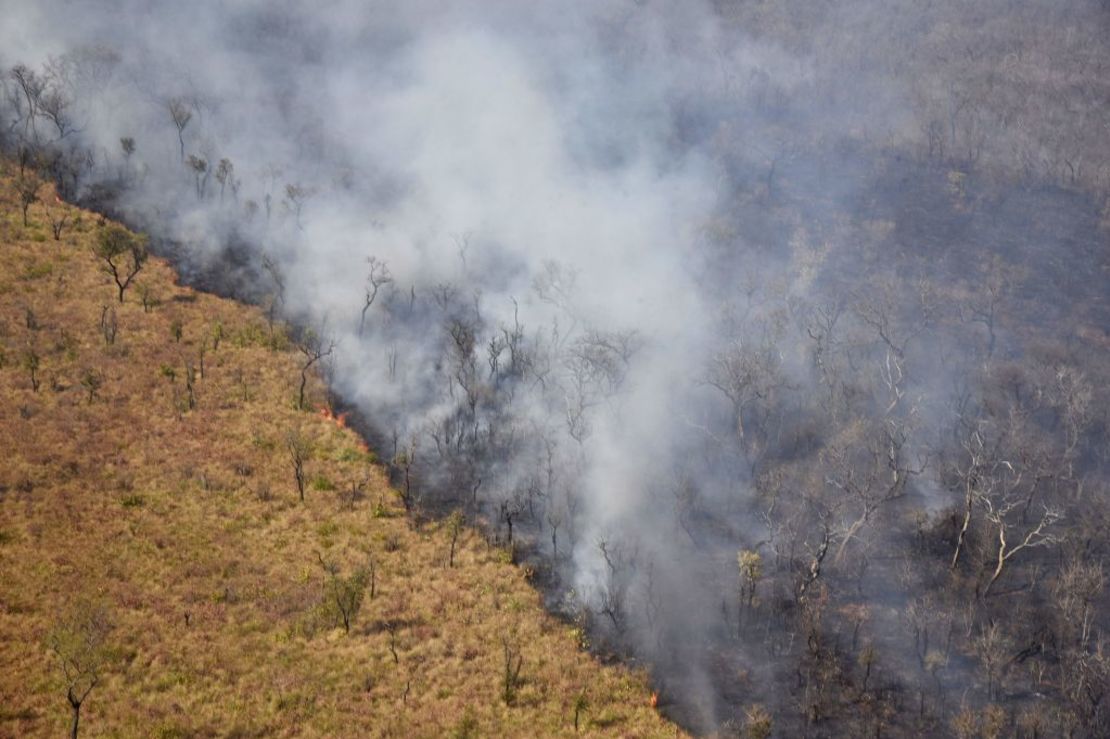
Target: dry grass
(186, 525)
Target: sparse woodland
(171, 565)
(842, 472)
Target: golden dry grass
(186, 525)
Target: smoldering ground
(624, 280)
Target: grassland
(181, 523)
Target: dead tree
(180, 114)
(869, 477)
(1014, 537)
(817, 560)
(299, 450)
(313, 347)
(295, 198)
(54, 106)
(744, 374)
(377, 278)
(403, 462)
(513, 660)
(32, 86)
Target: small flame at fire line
(654, 700)
(339, 420)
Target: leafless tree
(1013, 537)
(812, 571)
(1077, 588)
(971, 474)
(377, 277)
(744, 374)
(613, 593)
(403, 462)
(54, 105)
(869, 476)
(820, 324)
(313, 347)
(295, 198)
(992, 647)
(180, 113)
(512, 661)
(299, 450)
(59, 217)
(32, 86)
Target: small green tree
(148, 298)
(751, 572)
(92, 381)
(123, 254)
(750, 565)
(581, 705)
(27, 186)
(343, 595)
(757, 722)
(513, 660)
(403, 462)
(78, 642)
(177, 330)
(109, 324)
(31, 364)
(454, 528)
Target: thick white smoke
(539, 174)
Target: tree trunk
(76, 706)
(1001, 561)
(963, 530)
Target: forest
(769, 337)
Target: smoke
(609, 230)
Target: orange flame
(654, 701)
(341, 422)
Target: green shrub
(133, 501)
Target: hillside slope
(150, 520)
